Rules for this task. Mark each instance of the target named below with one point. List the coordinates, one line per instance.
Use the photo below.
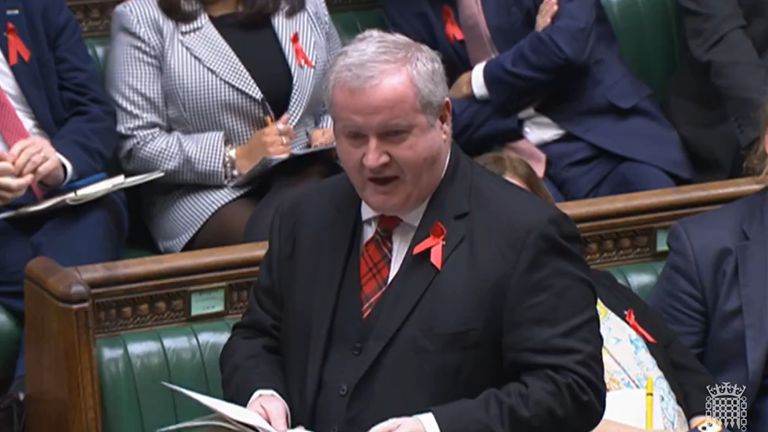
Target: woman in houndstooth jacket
(204, 90)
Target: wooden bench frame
(69, 308)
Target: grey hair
(372, 54)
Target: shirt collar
(412, 217)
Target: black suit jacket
(685, 374)
(712, 292)
(721, 86)
(504, 337)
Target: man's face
(393, 154)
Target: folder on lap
(83, 194)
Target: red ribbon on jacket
(301, 56)
(632, 321)
(452, 30)
(434, 243)
(16, 46)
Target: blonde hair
(756, 162)
(512, 166)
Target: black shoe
(12, 407)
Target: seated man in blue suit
(712, 292)
(56, 125)
(558, 95)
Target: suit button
(357, 349)
(335, 429)
(343, 390)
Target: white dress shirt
(537, 128)
(16, 96)
(401, 239)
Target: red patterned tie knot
(386, 224)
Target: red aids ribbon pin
(16, 46)
(434, 243)
(301, 56)
(632, 321)
(452, 30)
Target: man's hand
(35, 155)
(11, 187)
(546, 13)
(400, 424)
(272, 409)
(462, 88)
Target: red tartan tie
(375, 262)
(13, 130)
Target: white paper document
(230, 411)
(628, 407)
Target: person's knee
(631, 176)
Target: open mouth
(382, 181)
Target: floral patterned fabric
(628, 364)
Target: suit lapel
(26, 73)
(205, 43)
(333, 249)
(752, 273)
(303, 76)
(449, 205)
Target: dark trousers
(577, 170)
(84, 234)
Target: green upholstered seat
(647, 32)
(641, 278)
(98, 48)
(350, 23)
(132, 365)
(10, 336)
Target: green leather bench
(133, 364)
(105, 336)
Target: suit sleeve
(87, 139)
(519, 75)
(678, 295)
(715, 31)
(550, 342)
(135, 83)
(478, 127)
(252, 357)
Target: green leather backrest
(647, 32)
(350, 23)
(98, 48)
(133, 364)
(641, 278)
(10, 336)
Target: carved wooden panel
(115, 314)
(620, 246)
(95, 16)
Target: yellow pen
(649, 404)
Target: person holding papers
(56, 127)
(205, 91)
(404, 294)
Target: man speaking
(416, 291)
